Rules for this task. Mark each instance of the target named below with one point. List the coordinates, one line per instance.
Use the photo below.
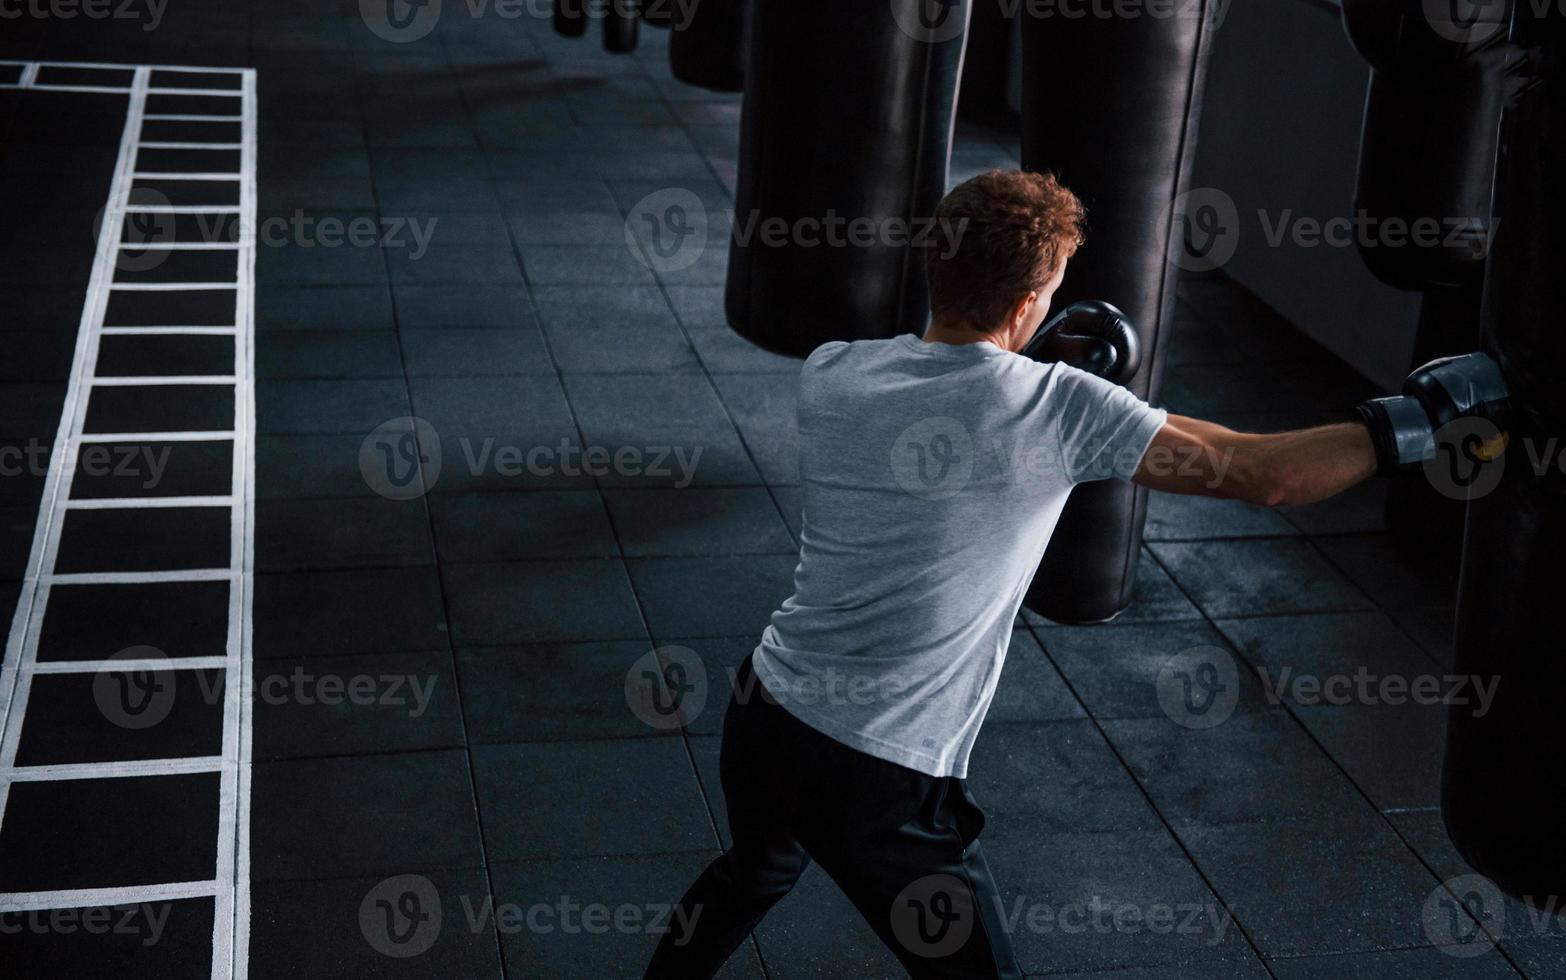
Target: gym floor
(429, 735)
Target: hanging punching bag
(1110, 104)
(707, 47)
(1426, 165)
(845, 137)
(1503, 789)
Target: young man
(934, 472)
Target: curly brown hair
(1002, 234)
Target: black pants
(902, 845)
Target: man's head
(1006, 236)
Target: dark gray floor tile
(698, 521)
(1352, 885)
(719, 661)
(443, 264)
(791, 503)
(1254, 768)
(1429, 963)
(561, 265)
(330, 354)
(328, 406)
(504, 434)
(643, 799)
(635, 889)
(304, 466)
(674, 428)
(323, 308)
(343, 612)
(421, 307)
(764, 408)
(362, 815)
(552, 692)
(1265, 576)
(565, 307)
(399, 194)
(1392, 752)
(593, 347)
(1326, 645)
(815, 931)
(567, 227)
(469, 353)
(358, 705)
(1393, 579)
(105, 833)
(502, 603)
(314, 928)
(1533, 936)
(1064, 891)
(341, 532)
(1030, 688)
(475, 527)
(1172, 517)
(1053, 777)
(1361, 510)
(1143, 670)
(712, 596)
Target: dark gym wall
(1280, 132)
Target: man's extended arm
(1191, 456)
(1393, 434)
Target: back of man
(933, 477)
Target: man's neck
(940, 332)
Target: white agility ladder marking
(230, 887)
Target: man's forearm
(1308, 465)
(1270, 469)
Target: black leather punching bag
(1504, 782)
(570, 17)
(707, 48)
(1110, 104)
(846, 135)
(1426, 165)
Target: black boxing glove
(1403, 427)
(1093, 336)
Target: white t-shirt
(933, 477)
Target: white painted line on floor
(112, 770)
(159, 380)
(180, 247)
(128, 663)
(182, 209)
(85, 897)
(190, 117)
(229, 889)
(138, 577)
(184, 175)
(166, 145)
(177, 435)
(227, 93)
(171, 287)
(167, 331)
(144, 503)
